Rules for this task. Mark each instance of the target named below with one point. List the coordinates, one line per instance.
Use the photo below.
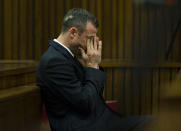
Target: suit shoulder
(52, 56)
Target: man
(73, 94)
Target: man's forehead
(91, 29)
(91, 34)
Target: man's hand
(94, 51)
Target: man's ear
(73, 31)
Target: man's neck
(62, 40)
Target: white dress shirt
(64, 47)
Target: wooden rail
(16, 73)
(20, 101)
(137, 86)
(117, 63)
(20, 108)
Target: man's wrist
(96, 66)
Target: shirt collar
(64, 47)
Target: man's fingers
(97, 39)
(100, 46)
(92, 43)
(82, 52)
(95, 43)
(88, 44)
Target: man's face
(89, 33)
(81, 40)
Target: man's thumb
(82, 52)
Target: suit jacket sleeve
(102, 88)
(62, 79)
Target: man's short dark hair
(78, 18)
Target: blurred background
(141, 44)
(130, 29)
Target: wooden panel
(152, 44)
(114, 29)
(156, 84)
(92, 7)
(15, 33)
(128, 30)
(148, 91)
(60, 15)
(7, 29)
(99, 17)
(177, 47)
(12, 109)
(142, 93)
(51, 18)
(77, 3)
(68, 5)
(16, 74)
(108, 93)
(159, 33)
(20, 101)
(120, 26)
(174, 73)
(135, 32)
(84, 4)
(30, 29)
(23, 104)
(172, 26)
(107, 48)
(45, 24)
(143, 43)
(38, 28)
(164, 78)
(32, 110)
(137, 88)
(120, 91)
(116, 84)
(23, 29)
(109, 63)
(1, 30)
(127, 92)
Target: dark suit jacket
(72, 94)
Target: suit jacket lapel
(61, 49)
(79, 67)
